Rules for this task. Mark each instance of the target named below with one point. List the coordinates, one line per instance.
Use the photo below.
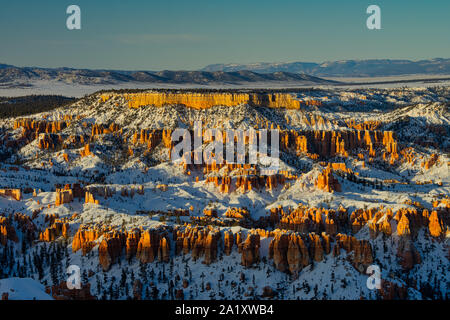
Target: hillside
(12, 76)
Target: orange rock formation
(326, 181)
(208, 100)
(13, 193)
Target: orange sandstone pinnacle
(434, 225)
(16, 194)
(327, 182)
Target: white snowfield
(23, 289)
(51, 87)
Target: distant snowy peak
(345, 68)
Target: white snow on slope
(23, 289)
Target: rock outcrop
(201, 242)
(361, 250)
(62, 292)
(208, 100)
(408, 254)
(7, 231)
(63, 196)
(84, 239)
(110, 249)
(55, 231)
(16, 194)
(250, 250)
(434, 226)
(149, 246)
(327, 182)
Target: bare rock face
(403, 227)
(148, 246)
(297, 255)
(346, 242)
(278, 249)
(86, 151)
(89, 198)
(309, 219)
(198, 244)
(65, 230)
(246, 182)
(164, 250)
(360, 217)
(430, 162)
(327, 182)
(434, 225)
(331, 143)
(41, 126)
(202, 241)
(250, 250)
(208, 100)
(294, 257)
(210, 213)
(57, 229)
(330, 227)
(211, 245)
(7, 231)
(228, 242)
(63, 196)
(110, 249)
(408, 254)
(238, 213)
(145, 245)
(386, 228)
(49, 234)
(316, 247)
(362, 254)
(410, 220)
(84, 239)
(132, 243)
(16, 194)
(289, 252)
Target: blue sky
(177, 34)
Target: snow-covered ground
(53, 87)
(23, 289)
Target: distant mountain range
(346, 68)
(294, 73)
(12, 75)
